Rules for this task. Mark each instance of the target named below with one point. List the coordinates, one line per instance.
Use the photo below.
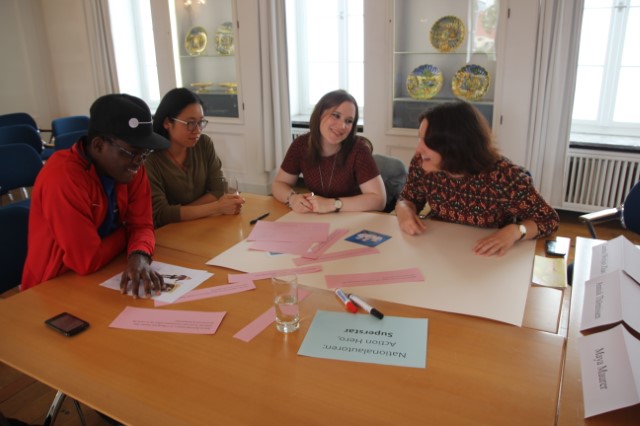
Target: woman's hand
(498, 243)
(229, 204)
(299, 203)
(410, 223)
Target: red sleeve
(137, 213)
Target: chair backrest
(22, 134)
(631, 209)
(74, 123)
(65, 140)
(394, 174)
(17, 118)
(19, 166)
(14, 225)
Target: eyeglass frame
(192, 124)
(142, 156)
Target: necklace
(330, 177)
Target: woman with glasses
(186, 178)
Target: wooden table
(478, 371)
(571, 408)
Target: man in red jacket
(92, 201)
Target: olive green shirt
(173, 187)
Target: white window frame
(604, 128)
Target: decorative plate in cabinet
(471, 82)
(424, 82)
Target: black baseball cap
(125, 117)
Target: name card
(616, 254)
(609, 299)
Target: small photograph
(368, 238)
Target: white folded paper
(610, 364)
(609, 299)
(616, 254)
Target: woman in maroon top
(337, 165)
(459, 173)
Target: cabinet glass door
(206, 47)
(443, 50)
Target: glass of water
(285, 297)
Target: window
(135, 57)
(326, 51)
(606, 98)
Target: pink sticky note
(205, 293)
(188, 322)
(292, 247)
(318, 249)
(256, 326)
(289, 231)
(374, 278)
(344, 254)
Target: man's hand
(139, 270)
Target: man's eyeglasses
(192, 124)
(141, 156)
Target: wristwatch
(523, 231)
(337, 204)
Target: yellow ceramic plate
(201, 87)
(424, 82)
(231, 87)
(471, 82)
(196, 41)
(447, 34)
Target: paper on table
(232, 278)
(550, 271)
(610, 365)
(179, 281)
(258, 325)
(374, 278)
(336, 255)
(363, 338)
(165, 320)
(205, 293)
(319, 248)
(292, 247)
(289, 231)
(611, 298)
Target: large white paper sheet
(610, 365)
(611, 298)
(455, 279)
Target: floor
(28, 400)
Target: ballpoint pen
(262, 216)
(347, 302)
(364, 305)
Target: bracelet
(288, 200)
(141, 252)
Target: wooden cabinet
(480, 51)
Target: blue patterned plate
(424, 82)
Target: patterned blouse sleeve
(413, 189)
(529, 204)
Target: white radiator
(595, 180)
(297, 131)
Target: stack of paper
(610, 359)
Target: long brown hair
(330, 100)
(462, 136)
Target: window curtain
(276, 114)
(102, 57)
(553, 92)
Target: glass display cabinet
(443, 51)
(205, 44)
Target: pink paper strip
(374, 278)
(233, 278)
(292, 247)
(336, 255)
(258, 325)
(188, 322)
(289, 231)
(205, 293)
(319, 249)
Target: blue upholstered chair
(14, 223)
(628, 213)
(19, 166)
(17, 118)
(66, 140)
(74, 123)
(22, 134)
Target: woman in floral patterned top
(459, 173)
